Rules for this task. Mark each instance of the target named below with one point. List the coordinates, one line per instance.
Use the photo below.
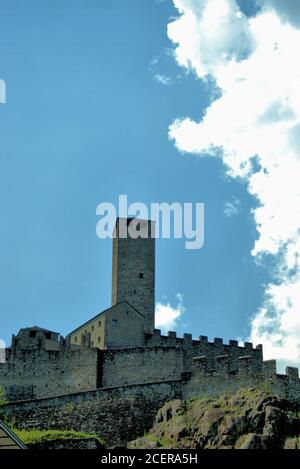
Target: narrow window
(141, 275)
(75, 338)
(114, 322)
(93, 328)
(99, 340)
(32, 334)
(99, 323)
(48, 335)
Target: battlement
(157, 338)
(45, 364)
(244, 365)
(205, 379)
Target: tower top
(134, 228)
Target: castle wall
(35, 373)
(122, 413)
(117, 414)
(141, 365)
(202, 347)
(204, 382)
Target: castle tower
(133, 270)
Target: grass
(163, 442)
(3, 399)
(41, 436)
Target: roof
(8, 439)
(36, 328)
(103, 312)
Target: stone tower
(133, 269)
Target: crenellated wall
(166, 357)
(203, 367)
(36, 373)
(211, 350)
(33, 371)
(205, 381)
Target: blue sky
(85, 121)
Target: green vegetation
(70, 408)
(41, 436)
(3, 399)
(163, 442)
(204, 400)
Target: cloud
(209, 33)
(160, 67)
(232, 207)
(166, 316)
(288, 10)
(163, 79)
(254, 62)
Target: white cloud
(288, 10)
(167, 316)
(255, 63)
(163, 79)
(159, 64)
(232, 207)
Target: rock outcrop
(249, 419)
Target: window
(48, 335)
(93, 328)
(114, 322)
(99, 323)
(32, 334)
(141, 275)
(92, 343)
(75, 338)
(99, 340)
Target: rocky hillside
(249, 419)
